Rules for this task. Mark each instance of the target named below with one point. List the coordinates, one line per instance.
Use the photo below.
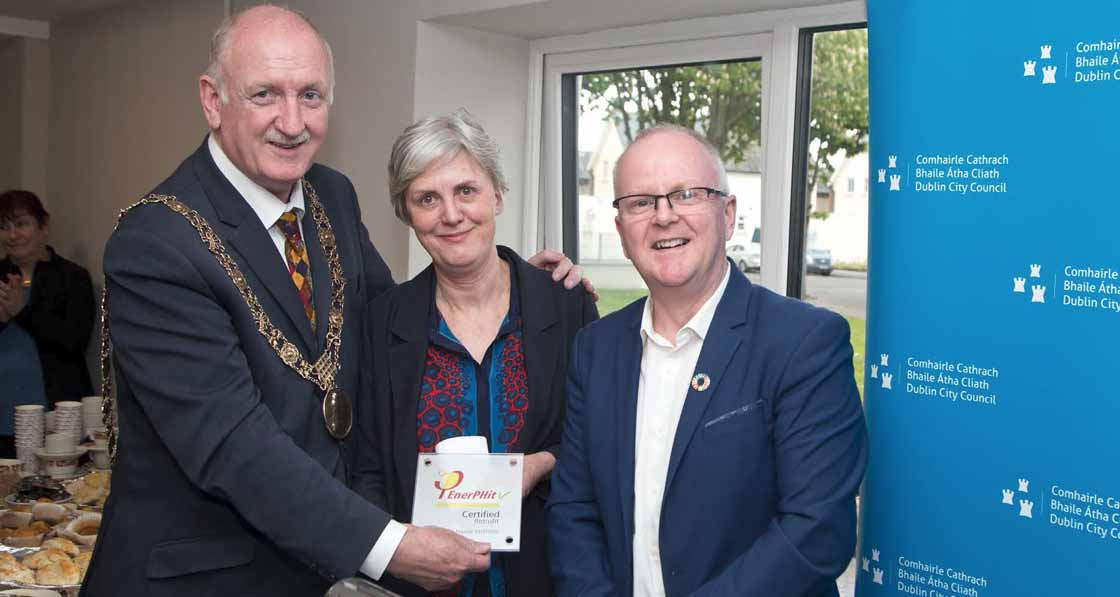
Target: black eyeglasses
(681, 201)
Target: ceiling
(51, 10)
(547, 18)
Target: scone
(17, 573)
(82, 561)
(44, 558)
(61, 544)
(62, 572)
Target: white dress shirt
(666, 374)
(263, 203)
(269, 209)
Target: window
(832, 131)
(604, 109)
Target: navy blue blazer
(226, 481)
(764, 469)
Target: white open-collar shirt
(269, 209)
(665, 376)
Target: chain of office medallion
(322, 373)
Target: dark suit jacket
(397, 341)
(226, 481)
(764, 469)
(60, 319)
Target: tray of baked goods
(48, 532)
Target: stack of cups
(91, 414)
(29, 427)
(68, 420)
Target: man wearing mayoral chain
(714, 440)
(234, 294)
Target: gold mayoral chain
(337, 408)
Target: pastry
(18, 573)
(50, 512)
(44, 558)
(62, 572)
(62, 544)
(82, 561)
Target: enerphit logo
(448, 482)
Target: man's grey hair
(717, 161)
(440, 138)
(222, 39)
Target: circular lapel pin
(701, 381)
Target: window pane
(720, 100)
(835, 258)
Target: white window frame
(771, 35)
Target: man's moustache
(275, 136)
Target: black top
(394, 353)
(59, 316)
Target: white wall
(487, 74)
(123, 113)
(374, 46)
(844, 233)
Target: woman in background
(47, 296)
(476, 344)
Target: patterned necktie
(298, 267)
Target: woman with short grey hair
(435, 138)
(476, 344)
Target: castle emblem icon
(1038, 294)
(877, 576)
(875, 554)
(1045, 50)
(887, 381)
(892, 161)
(1024, 484)
(1048, 75)
(883, 358)
(1008, 497)
(1028, 68)
(1020, 284)
(1036, 270)
(874, 371)
(882, 175)
(866, 564)
(895, 179)
(1026, 508)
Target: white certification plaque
(475, 495)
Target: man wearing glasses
(714, 441)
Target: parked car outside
(818, 261)
(747, 257)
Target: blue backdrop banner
(994, 300)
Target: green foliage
(858, 326)
(838, 111)
(723, 101)
(613, 299)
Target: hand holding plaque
(465, 489)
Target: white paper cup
(466, 444)
(59, 443)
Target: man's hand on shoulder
(562, 268)
(435, 558)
